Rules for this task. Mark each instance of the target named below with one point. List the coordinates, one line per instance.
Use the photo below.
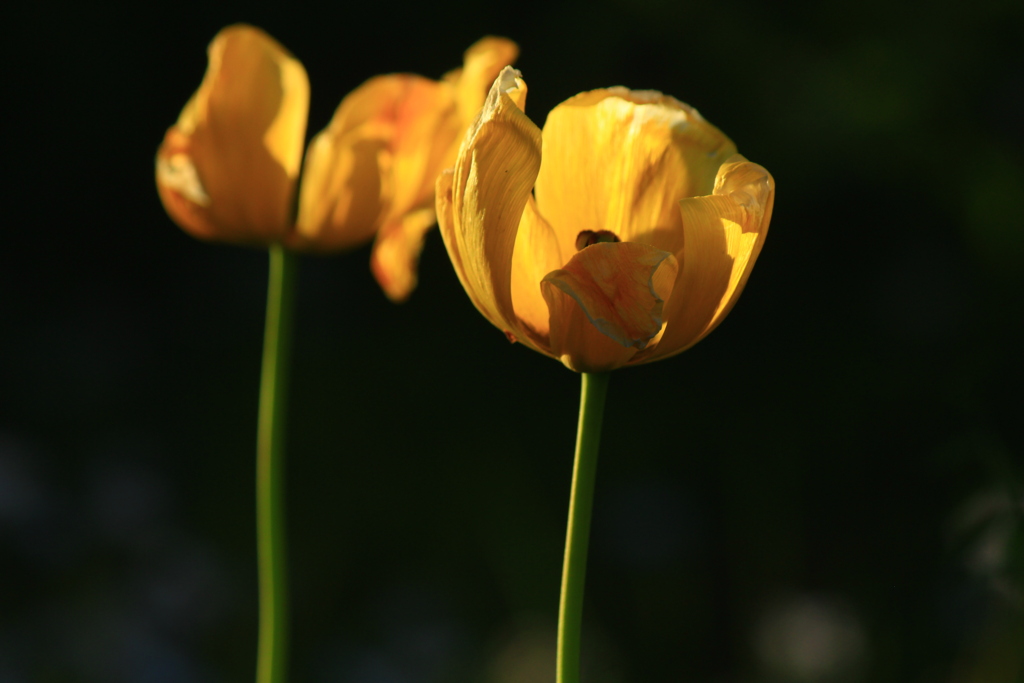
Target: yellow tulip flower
(228, 170)
(640, 232)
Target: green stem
(577, 537)
(271, 660)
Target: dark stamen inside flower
(588, 237)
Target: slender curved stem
(272, 657)
(577, 537)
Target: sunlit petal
(723, 234)
(496, 168)
(536, 254)
(618, 160)
(446, 226)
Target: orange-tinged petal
(620, 160)
(536, 254)
(723, 235)
(376, 161)
(429, 120)
(606, 303)
(576, 342)
(427, 130)
(396, 253)
(494, 172)
(226, 170)
(344, 177)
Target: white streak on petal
(178, 173)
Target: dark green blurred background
(828, 488)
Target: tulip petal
(607, 303)
(446, 225)
(226, 170)
(346, 187)
(536, 254)
(723, 234)
(427, 129)
(396, 253)
(480, 213)
(618, 160)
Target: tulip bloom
(228, 169)
(640, 232)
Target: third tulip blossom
(640, 232)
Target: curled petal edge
(490, 186)
(723, 236)
(606, 303)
